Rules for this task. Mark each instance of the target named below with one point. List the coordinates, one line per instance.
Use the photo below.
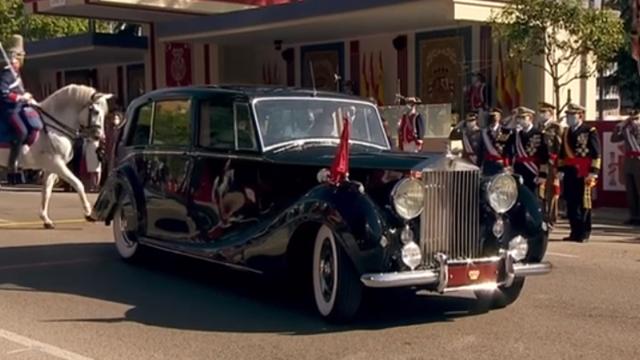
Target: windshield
(284, 120)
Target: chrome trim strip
(522, 270)
(390, 280)
(443, 278)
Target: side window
(171, 123)
(246, 133)
(216, 125)
(142, 125)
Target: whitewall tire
(336, 288)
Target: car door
(226, 160)
(168, 166)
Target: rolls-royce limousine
(238, 175)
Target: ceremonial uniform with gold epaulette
(495, 153)
(580, 162)
(552, 135)
(471, 135)
(531, 160)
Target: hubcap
(326, 270)
(124, 229)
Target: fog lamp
(498, 228)
(406, 236)
(518, 248)
(411, 255)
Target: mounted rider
(15, 110)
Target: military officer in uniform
(552, 135)
(629, 132)
(531, 154)
(495, 151)
(469, 132)
(579, 162)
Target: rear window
(171, 123)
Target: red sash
(528, 161)
(583, 165)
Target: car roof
(250, 91)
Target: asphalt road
(64, 294)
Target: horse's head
(91, 117)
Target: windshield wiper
(300, 144)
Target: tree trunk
(556, 94)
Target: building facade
(378, 48)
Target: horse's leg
(69, 177)
(49, 180)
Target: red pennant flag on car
(340, 167)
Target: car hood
(360, 157)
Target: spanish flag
(364, 83)
(380, 85)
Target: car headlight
(502, 193)
(408, 198)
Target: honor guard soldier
(531, 155)
(552, 135)
(496, 153)
(579, 163)
(411, 128)
(469, 132)
(629, 132)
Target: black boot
(14, 177)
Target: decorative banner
(327, 60)
(441, 70)
(613, 164)
(610, 190)
(177, 64)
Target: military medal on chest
(533, 144)
(582, 149)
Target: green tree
(563, 33)
(35, 27)
(627, 75)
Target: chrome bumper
(440, 276)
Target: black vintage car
(238, 176)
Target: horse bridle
(66, 129)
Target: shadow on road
(176, 292)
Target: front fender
(357, 222)
(111, 194)
(527, 219)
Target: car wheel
(336, 288)
(500, 297)
(125, 229)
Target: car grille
(450, 223)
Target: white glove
(27, 96)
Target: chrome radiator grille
(451, 219)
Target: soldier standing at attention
(531, 154)
(469, 132)
(496, 153)
(552, 135)
(629, 132)
(579, 163)
(411, 127)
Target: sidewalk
(610, 215)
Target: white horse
(73, 109)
